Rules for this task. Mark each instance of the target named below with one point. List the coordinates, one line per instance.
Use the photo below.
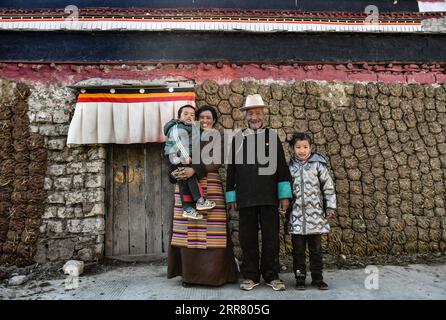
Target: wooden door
(139, 199)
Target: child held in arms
(178, 149)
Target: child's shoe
(204, 204)
(191, 213)
(300, 282)
(320, 284)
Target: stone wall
(385, 141)
(73, 223)
(387, 150)
(67, 220)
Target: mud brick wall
(51, 196)
(387, 150)
(22, 174)
(386, 145)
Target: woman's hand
(183, 173)
(188, 172)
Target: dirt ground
(117, 281)
(54, 271)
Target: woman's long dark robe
(211, 266)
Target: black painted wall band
(91, 47)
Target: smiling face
(302, 149)
(255, 117)
(188, 115)
(206, 120)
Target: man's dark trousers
(249, 220)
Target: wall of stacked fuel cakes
(386, 144)
(387, 151)
(22, 174)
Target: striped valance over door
(125, 116)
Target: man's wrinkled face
(255, 117)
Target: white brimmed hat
(253, 101)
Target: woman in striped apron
(200, 251)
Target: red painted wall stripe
(133, 100)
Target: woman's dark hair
(208, 108)
(184, 107)
(299, 136)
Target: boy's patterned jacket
(179, 139)
(314, 193)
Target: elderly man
(259, 193)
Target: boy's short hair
(299, 136)
(184, 107)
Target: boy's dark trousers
(190, 190)
(299, 259)
(249, 219)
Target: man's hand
(329, 213)
(284, 205)
(233, 206)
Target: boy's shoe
(248, 285)
(277, 285)
(204, 204)
(320, 284)
(191, 213)
(300, 283)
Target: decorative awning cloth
(125, 118)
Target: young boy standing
(315, 203)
